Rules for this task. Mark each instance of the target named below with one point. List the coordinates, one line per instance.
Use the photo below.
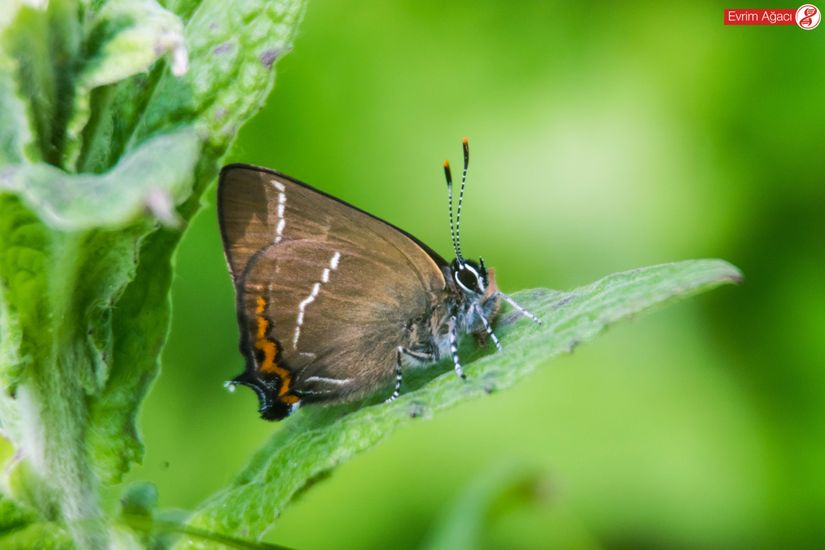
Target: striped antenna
(466, 144)
(449, 176)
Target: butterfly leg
(422, 356)
(519, 308)
(487, 327)
(401, 351)
(454, 348)
(398, 375)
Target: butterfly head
(470, 277)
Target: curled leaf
(164, 164)
(125, 38)
(135, 34)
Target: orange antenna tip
(466, 140)
(446, 164)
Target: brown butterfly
(332, 302)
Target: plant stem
(55, 426)
(55, 407)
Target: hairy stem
(54, 422)
(55, 414)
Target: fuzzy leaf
(158, 172)
(44, 536)
(44, 39)
(14, 516)
(318, 439)
(15, 131)
(10, 367)
(84, 272)
(24, 260)
(232, 48)
(137, 33)
(125, 38)
(22, 527)
(138, 338)
(212, 93)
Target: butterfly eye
(468, 279)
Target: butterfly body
(332, 302)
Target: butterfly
(332, 302)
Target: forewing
(325, 291)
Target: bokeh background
(603, 138)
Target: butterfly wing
(325, 292)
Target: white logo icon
(808, 16)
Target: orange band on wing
(269, 348)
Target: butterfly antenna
(466, 144)
(449, 176)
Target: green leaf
(22, 527)
(84, 271)
(14, 516)
(133, 35)
(212, 88)
(124, 38)
(232, 48)
(24, 260)
(43, 536)
(138, 338)
(318, 439)
(15, 130)
(46, 43)
(10, 360)
(155, 176)
(183, 8)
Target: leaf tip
(736, 276)
(172, 42)
(160, 204)
(731, 273)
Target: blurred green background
(603, 138)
